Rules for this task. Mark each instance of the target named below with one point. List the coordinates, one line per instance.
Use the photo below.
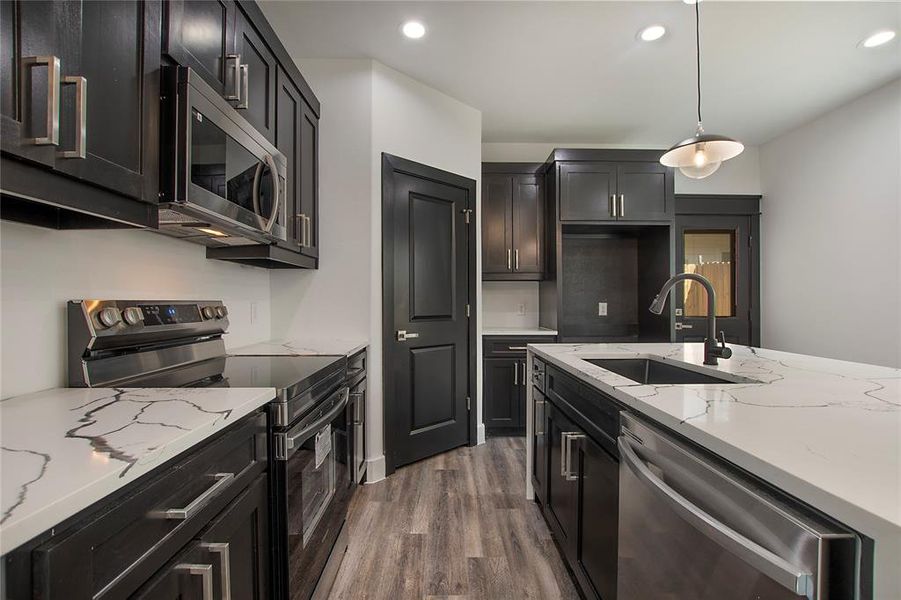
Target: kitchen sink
(657, 371)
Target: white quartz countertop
(65, 449)
(305, 347)
(518, 331)
(825, 431)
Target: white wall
(740, 175)
(43, 268)
(831, 229)
(419, 123)
(510, 304)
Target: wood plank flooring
(453, 526)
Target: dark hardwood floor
(453, 526)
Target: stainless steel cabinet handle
(612, 205)
(680, 326)
(775, 567)
(52, 63)
(221, 548)
(516, 347)
(300, 220)
(516, 373)
(236, 77)
(81, 107)
(180, 514)
(309, 221)
(206, 577)
(244, 101)
(516, 259)
(539, 421)
(568, 454)
(509, 260)
(403, 335)
(622, 205)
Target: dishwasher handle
(773, 566)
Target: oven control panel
(121, 316)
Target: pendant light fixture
(702, 154)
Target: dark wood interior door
(427, 273)
(720, 248)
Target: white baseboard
(375, 469)
(480, 433)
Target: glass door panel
(711, 254)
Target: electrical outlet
(520, 309)
(253, 313)
(602, 309)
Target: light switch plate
(602, 309)
(520, 309)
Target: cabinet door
(586, 191)
(287, 140)
(645, 191)
(309, 177)
(201, 35)
(562, 489)
(256, 101)
(528, 233)
(497, 216)
(109, 128)
(187, 577)
(237, 544)
(539, 444)
(502, 380)
(27, 31)
(598, 520)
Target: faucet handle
(724, 352)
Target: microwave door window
(208, 155)
(241, 169)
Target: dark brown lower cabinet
(182, 579)
(539, 410)
(503, 394)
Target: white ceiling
(575, 71)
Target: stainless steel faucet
(711, 350)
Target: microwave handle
(273, 172)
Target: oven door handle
(294, 440)
(790, 576)
(276, 201)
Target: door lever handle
(403, 335)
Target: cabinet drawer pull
(516, 259)
(516, 373)
(181, 514)
(206, 577)
(539, 422)
(52, 63)
(509, 260)
(244, 100)
(221, 548)
(81, 108)
(236, 77)
(566, 457)
(516, 347)
(622, 205)
(612, 205)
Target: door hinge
(467, 215)
(468, 403)
(467, 311)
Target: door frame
(392, 165)
(730, 205)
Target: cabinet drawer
(114, 550)
(512, 347)
(595, 412)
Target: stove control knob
(221, 312)
(208, 312)
(109, 316)
(133, 315)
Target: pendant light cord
(698, 52)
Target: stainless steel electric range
(137, 343)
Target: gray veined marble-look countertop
(825, 431)
(305, 347)
(62, 450)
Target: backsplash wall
(510, 304)
(42, 269)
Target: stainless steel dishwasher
(691, 528)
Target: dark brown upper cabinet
(200, 34)
(512, 222)
(80, 105)
(257, 77)
(613, 185)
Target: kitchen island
(824, 431)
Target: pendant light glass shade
(702, 154)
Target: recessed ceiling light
(878, 38)
(654, 32)
(413, 29)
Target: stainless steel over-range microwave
(221, 181)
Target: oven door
(227, 175)
(315, 491)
